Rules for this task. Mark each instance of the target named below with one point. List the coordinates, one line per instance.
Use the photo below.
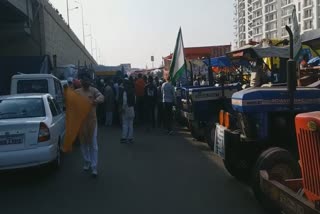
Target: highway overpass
(35, 28)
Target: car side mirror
(64, 108)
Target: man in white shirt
(167, 91)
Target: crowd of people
(141, 101)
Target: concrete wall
(59, 39)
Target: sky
(131, 31)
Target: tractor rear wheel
(280, 165)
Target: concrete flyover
(35, 28)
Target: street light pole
(91, 46)
(82, 18)
(68, 13)
(83, 36)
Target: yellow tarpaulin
(77, 110)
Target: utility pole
(68, 13)
(83, 36)
(82, 18)
(97, 51)
(91, 45)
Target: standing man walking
(159, 105)
(167, 91)
(88, 132)
(139, 91)
(150, 93)
(109, 103)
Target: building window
(299, 6)
(286, 11)
(299, 17)
(285, 2)
(307, 25)
(274, 35)
(307, 3)
(267, 27)
(307, 13)
(286, 21)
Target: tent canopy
(252, 52)
(312, 39)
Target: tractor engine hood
(275, 99)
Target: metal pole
(191, 70)
(210, 74)
(96, 50)
(91, 46)
(291, 72)
(68, 13)
(83, 33)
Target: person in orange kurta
(88, 131)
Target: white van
(38, 83)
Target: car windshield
(32, 86)
(21, 108)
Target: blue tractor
(260, 134)
(200, 105)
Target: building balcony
(272, 11)
(272, 30)
(272, 2)
(270, 21)
(307, 6)
(284, 26)
(287, 5)
(309, 29)
(307, 18)
(257, 34)
(257, 25)
(257, 17)
(256, 9)
(285, 15)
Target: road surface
(158, 174)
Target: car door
(58, 93)
(57, 125)
(61, 121)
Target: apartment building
(255, 20)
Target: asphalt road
(158, 174)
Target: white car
(32, 129)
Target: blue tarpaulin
(224, 61)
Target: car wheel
(57, 162)
(280, 165)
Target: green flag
(178, 65)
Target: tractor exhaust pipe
(291, 72)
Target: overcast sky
(130, 31)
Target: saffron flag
(178, 65)
(77, 110)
